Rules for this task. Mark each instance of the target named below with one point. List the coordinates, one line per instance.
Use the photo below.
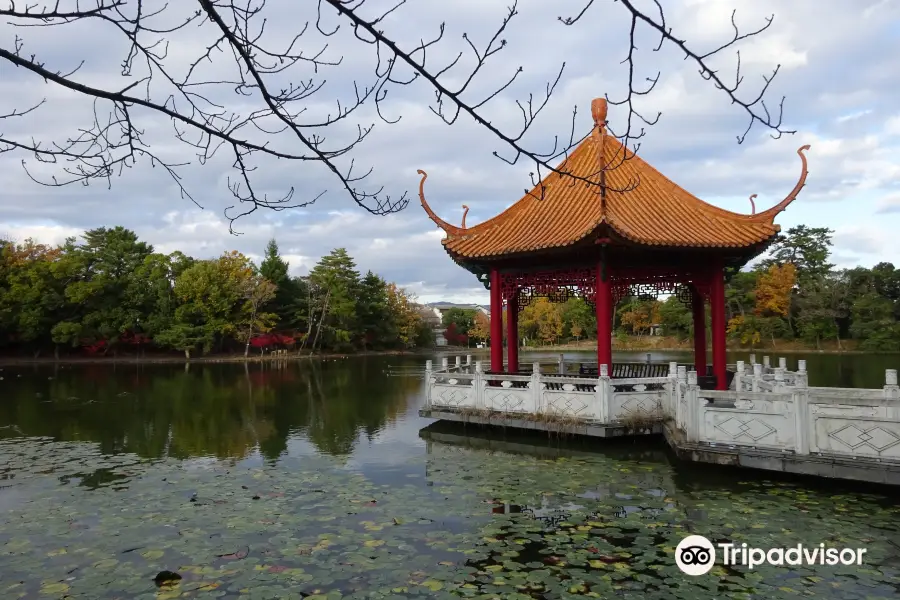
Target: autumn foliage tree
(542, 319)
(481, 330)
(773, 294)
(638, 315)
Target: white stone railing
(587, 400)
(765, 410)
(838, 422)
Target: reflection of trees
(207, 410)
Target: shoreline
(6, 361)
(759, 351)
(137, 360)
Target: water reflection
(317, 478)
(574, 522)
(222, 411)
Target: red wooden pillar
(699, 310)
(604, 303)
(717, 310)
(512, 334)
(496, 322)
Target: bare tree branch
(280, 83)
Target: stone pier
(770, 418)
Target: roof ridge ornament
(599, 109)
(449, 229)
(775, 210)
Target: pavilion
(610, 227)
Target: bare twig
(280, 83)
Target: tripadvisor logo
(696, 555)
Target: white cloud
(838, 75)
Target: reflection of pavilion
(445, 442)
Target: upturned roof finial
(598, 111)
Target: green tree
(377, 324)
(31, 297)
(289, 303)
(101, 272)
(462, 318)
(577, 315)
(257, 292)
(873, 323)
(676, 319)
(212, 296)
(337, 282)
(807, 248)
(822, 308)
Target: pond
(318, 479)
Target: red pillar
(717, 309)
(699, 310)
(496, 322)
(512, 334)
(604, 302)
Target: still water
(320, 480)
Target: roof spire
(598, 111)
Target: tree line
(110, 291)
(793, 294)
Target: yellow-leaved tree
(541, 319)
(402, 307)
(773, 290)
(481, 329)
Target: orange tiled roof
(654, 212)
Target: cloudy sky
(839, 72)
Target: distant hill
(442, 306)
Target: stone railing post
(468, 360)
(752, 359)
(739, 376)
(891, 390)
(801, 378)
(478, 384)
(671, 391)
(802, 421)
(445, 365)
(562, 364)
(458, 363)
(680, 391)
(782, 363)
(604, 394)
(536, 387)
(693, 420)
(779, 379)
(766, 363)
(428, 384)
(757, 376)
